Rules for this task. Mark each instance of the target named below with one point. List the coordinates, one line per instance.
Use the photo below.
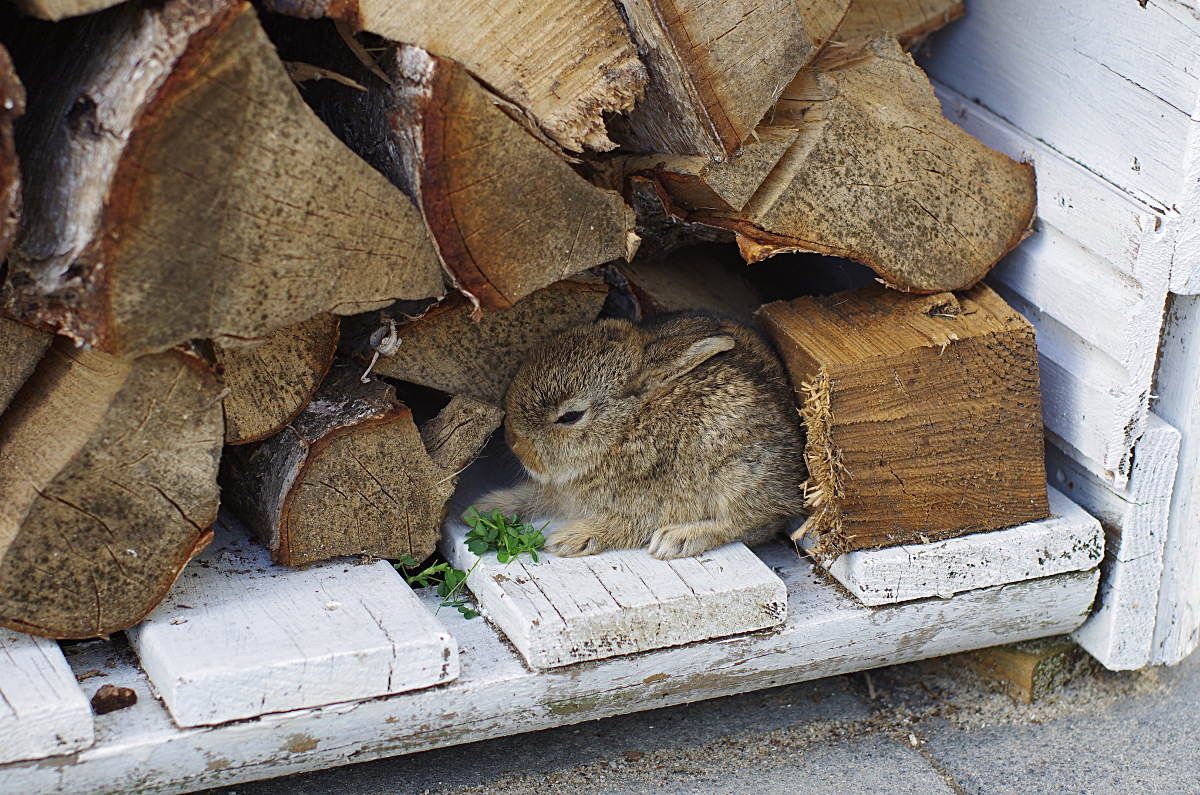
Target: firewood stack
(236, 236)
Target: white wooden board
(1177, 628)
(1070, 540)
(567, 610)
(1093, 280)
(1120, 631)
(42, 710)
(1110, 85)
(827, 633)
(239, 636)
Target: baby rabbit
(679, 433)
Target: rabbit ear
(671, 357)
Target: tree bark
(12, 107)
(352, 475)
(269, 385)
(922, 414)
(108, 487)
(448, 351)
(716, 68)
(873, 145)
(178, 188)
(566, 64)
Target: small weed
(449, 582)
(509, 537)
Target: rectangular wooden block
(923, 414)
(42, 710)
(567, 610)
(1120, 631)
(239, 636)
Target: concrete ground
(919, 728)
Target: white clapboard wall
(1111, 85)
(827, 632)
(1070, 539)
(240, 637)
(1093, 280)
(1120, 631)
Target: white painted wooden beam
(1070, 540)
(239, 636)
(1177, 629)
(827, 633)
(42, 710)
(567, 610)
(1120, 631)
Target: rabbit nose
(525, 451)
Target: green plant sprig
(449, 582)
(508, 536)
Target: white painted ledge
(827, 633)
(239, 637)
(42, 710)
(1069, 540)
(568, 610)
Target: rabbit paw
(680, 541)
(508, 501)
(576, 538)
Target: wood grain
(908, 20)
(21, 348)
(922, 414)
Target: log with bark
(269, 385)
(446, 350)
(108, 486)
(508, 213)
(695, 277)
(55, 10)
(566, 64)
(177, 187)
(876, 174)
(353, 475)
(922, 413)
(716, 68)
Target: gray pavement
(918, 728)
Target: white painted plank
(827, 634)
(1120, 631)
(239, 636)
(1111, 85)
(1177, 627)
(1100, 217)
(568, 610)
(42, 710)
(1069, 540)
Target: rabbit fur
(679, 433)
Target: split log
(12, 107)
(716, 68)
(908, 20)
(21, 348)
(54, 10)
(922, 413)
(179, 188)
(567, 64)
(508, 215)
(269, 385)
(873, 145)
(108, 486)
(696, 277)
(352, 475)
(448, 351)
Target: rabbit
(679, 433)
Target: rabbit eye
(569, 418)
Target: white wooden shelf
(827, 632)
(1069, 540)
(42, 710)
(239, 637)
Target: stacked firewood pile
(217, 217)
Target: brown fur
(689, 437)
